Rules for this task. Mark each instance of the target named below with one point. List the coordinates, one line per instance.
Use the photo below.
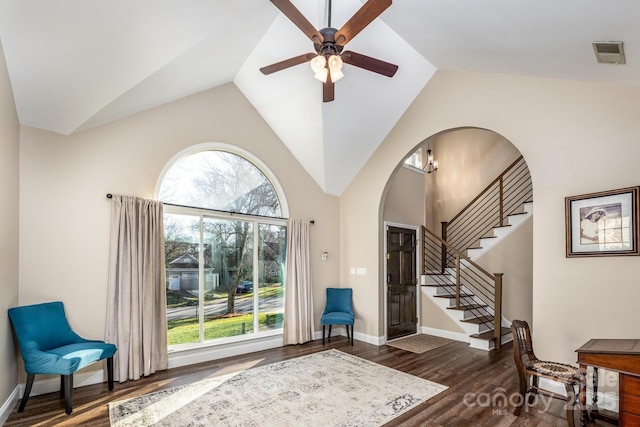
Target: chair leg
(323, 328)
(27, 392)
(571, 400)
(68, 393)
(110, 372)
(523, 393)
(351, 334)
(534, 389)
(329, 337)
(348, 335)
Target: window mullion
(201, 279)
(256, 277)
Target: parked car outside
(244, 287)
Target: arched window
(225, 247)
(220, 180)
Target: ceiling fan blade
(328, 90)
(300, 59)
(369, 63)
(363, 17)
(295, 16)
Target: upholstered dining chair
(338, 311)
(531, 369)
(49, 346)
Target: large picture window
(225, 249)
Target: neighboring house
(182, 275)
(576, 137)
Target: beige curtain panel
(136, 305)
(298, 300)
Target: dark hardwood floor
(482, 387)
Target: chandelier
(432, 165)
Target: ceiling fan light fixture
(335, 68)
(319, 67)
(321, 75)
(318, 64)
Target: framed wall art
(602, 224)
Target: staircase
(466, 292)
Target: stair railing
(502, 197)
(467, 275)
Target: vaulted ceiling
(77, 64)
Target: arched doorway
(468, 160)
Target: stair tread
(436, 285)
(467, 307)
(478, 320)
(453, 295)
(518, 213)
(488, 335)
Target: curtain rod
(110, 196)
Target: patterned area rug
(419, 343)
(330, 388)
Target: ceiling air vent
(609, 52)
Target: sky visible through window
(219, 180)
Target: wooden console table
(619, 355)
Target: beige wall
(9, 195)
(468, 160)
(562, 128)
(65, 214)
(404, 203)
(513, 256)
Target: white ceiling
(76, 64)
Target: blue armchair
(338, 311)
(49, 346)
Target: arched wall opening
(468, 160)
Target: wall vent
(609, 52)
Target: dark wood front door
(401, 282)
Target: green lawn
(187, 330)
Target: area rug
(419, 343)
(330, 388)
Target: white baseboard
(8, 405)
(359, 336)
(456, 336)
(51, 384)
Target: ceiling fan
(329, 44)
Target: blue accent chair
(49, 346)
(338, 311)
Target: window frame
(256, 220)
